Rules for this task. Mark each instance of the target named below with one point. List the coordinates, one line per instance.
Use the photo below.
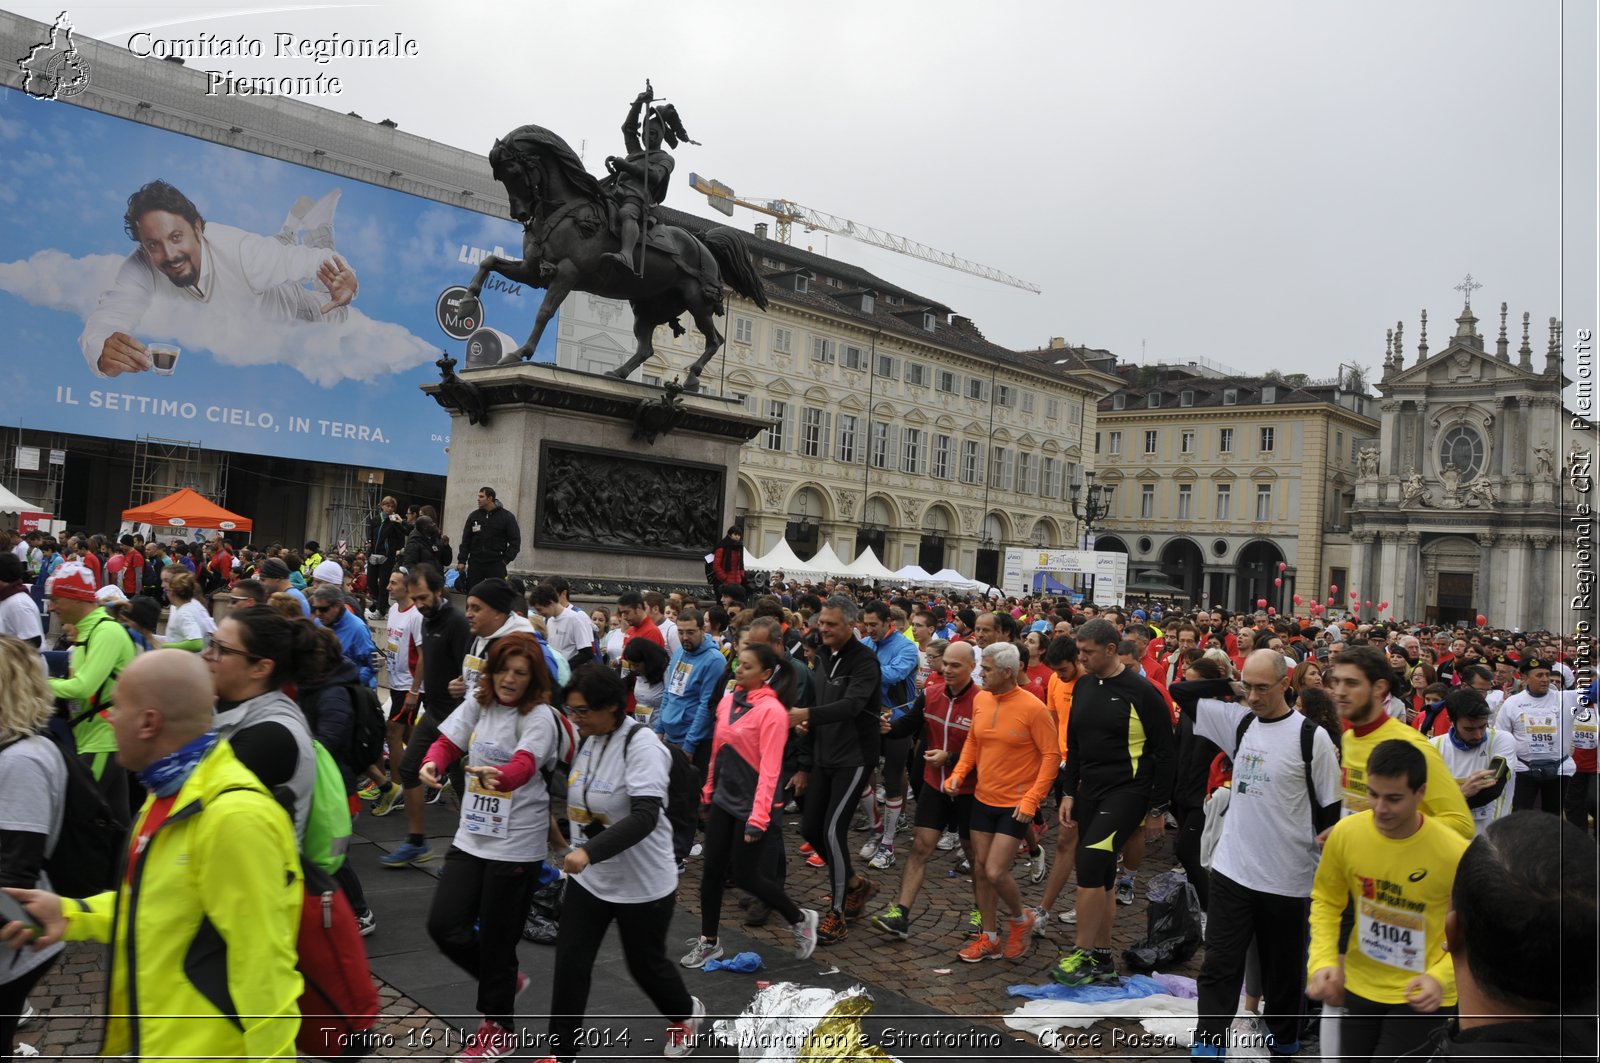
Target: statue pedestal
(1544, 493)
(596, 505)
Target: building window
(941, 457)
(1185, 501)
(1224, 501)
(821, 350)
(928, 322)
(801, 283)
(854, 358)
(777, 434)
(1005, 395)
(848, 451)
(1338, 445)
(1186, 442)
(1052, 409)
(1074, 414)
(1109, 496)
(782, 339)
(1027, 473)
(742, 329)
(911, 453)
(1153, 400)
(1263, 502)
(1147, 501)
(1051, 487)
(814, 432)
(1225, 440)
(1027, 402)
(970, 468)
(1116, 442)
(886, 366)
(1119, 401)
(916, 374)
(1002, 468)
(1267, 437)
(1150, 441)
(948, 383)
(1186, 398)
(1230, 396)
(977, 388)
(1463, 448)
(878, 446)
(651, 379)
(1269, 394)
(868, 303)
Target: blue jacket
(685, 717)
(356, 639)
(897, 660)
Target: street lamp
(1089, 509)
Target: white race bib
(680, 678)
(1393, 937)
(1541, 742)
(486, 811)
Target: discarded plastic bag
(744, 963)
(1172, 925)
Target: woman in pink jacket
(746, 758)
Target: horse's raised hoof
(691, 383)
(616, 374)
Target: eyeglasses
(218, 649)
(579, 710)
(1262, 689)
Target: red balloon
(1383, 605)
(1271, 611)
(1277, 582)
(1330, 601)
(1483, 621)
(1369, 605)
(1355, 594)
(1261, 603)
(1282, 565)
(1333, 589)
(1297, 599)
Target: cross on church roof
(1467, 287)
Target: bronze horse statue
(567, 239)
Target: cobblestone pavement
(70, 996)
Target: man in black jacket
(386, 533)
(842, 729)
(445, 641)
(490, 540)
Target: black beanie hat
(496, 594)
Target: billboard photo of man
(183, 261)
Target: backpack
(683, 786)
(1320, 820)
(555, 774)
(88, 851)
(368, 731)
(339, 1002)
(328, 825)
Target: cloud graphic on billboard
(357, 348)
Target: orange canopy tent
(186, 508)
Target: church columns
(1420, 439)
(1408, 587)
(1359, 542)
(1513, 603)
(1498, 466)
(1539, 608)
(1483, 592)
(1390, 430)
(1391, 580)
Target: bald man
(210, 908)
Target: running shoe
(1125, 891)
(369, 792)
(1019, 936)
(964, 866)
(831, 927)
(856, 898)
(805, 934)
(695, 850)
(367, 922)
(409, 854)
(883, 859)
(1070, 917)
(815, 861)
(893, 920)
(871, 847)
(386, 800)
(490, 1042)
(1074, 969)
(981, 947)
(435, 796)
(701, 950)
(1037, 866)
(29, 1013)
(1041, 920)
(681, 1036)
(805, 849)
(947, 841)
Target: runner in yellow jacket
(203, 926)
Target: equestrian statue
(601, 236)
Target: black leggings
(895, 774)
(643, 929)
(726, 848)
(831, 797)
(1191, 824)
(14, 998)
(495, 895)
(1370, 1030)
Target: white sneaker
(805, 934)
(871, 847)
(882, 859)
(681, 1036)
(23, 1051)
(696, 849)
(1038, 866)
(947, 841)
(700, 951)
(1070, 917)
(29, 1013)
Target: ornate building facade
(1218, 479)
(895, 423)
(1459, 506)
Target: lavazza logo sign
(54, 69)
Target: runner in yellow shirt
(1397, 866)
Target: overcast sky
(1264, 184)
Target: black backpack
(368, 730)
(88, 852)
(1321, 818)
(683, 785)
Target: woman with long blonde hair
(33, 790)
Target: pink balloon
(1277, 582)
(1333, 589)
(1271, 611)
(1369, 605)
(1355, 594)
(1261, 603)
(1330, 601)
(1282, 565)
(1297, 599)
(1383, 605)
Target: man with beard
(182, 261)
(445, 641)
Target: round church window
(1463, 448)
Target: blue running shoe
(409, 854)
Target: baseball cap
(72, 581)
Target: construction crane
(787, 212)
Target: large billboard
(154, 284)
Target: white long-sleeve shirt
(241, 274)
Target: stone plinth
(594, 503)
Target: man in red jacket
(727, 561)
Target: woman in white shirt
(189, 624)
(508, 731)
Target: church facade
(1460, 503)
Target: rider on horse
(639, 182)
